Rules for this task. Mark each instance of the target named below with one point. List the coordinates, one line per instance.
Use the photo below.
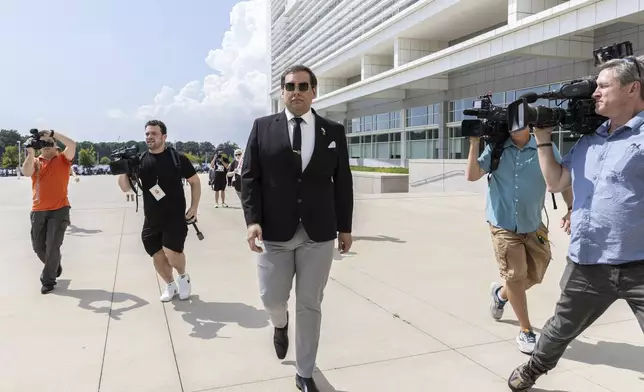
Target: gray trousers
(47, 234)
(587, 291)
(310, 263)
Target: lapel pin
(323, 132)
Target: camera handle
(199, 233)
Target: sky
(98, 70)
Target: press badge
(157, 192)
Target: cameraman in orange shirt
(50, 208)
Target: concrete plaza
(406, 309)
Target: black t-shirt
(220, 169)
(160, 168)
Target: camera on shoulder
(125, 161)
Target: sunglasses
(301, 86)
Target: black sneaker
(523, 378)
(46, 288)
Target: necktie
(297, 141)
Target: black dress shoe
(47, 288)
(305, 384)
(280, 340)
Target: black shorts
(171, 235)
(220, 182)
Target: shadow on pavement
(340, 256)
(75, 230)
(207, 318)
(88, 296)
(320, 380)
(614, 354)
(379, 238)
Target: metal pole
(18, 167)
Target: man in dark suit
(297, 196)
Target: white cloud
(222, 106)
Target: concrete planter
(373, 182)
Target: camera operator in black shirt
(161, 172)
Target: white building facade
(399, 73)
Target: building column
(327, 85)
(374, 64)
(443, 137)
(407, 50)
(403, 144)
(519, 9)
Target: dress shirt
(608, 185)
(308, 134)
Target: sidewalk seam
(174, 353)
(109, 315)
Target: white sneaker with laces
(527, 340)
(169, 293)
(185, 288)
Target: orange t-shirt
(49, 183)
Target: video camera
(36, 142)
(125, 161)
(579, 117)
(491, 123)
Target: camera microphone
(531, 97)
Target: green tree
(228, 148)
(10, 157)
(87, 157)
(9, 137)
(192, 157)
(105, 161)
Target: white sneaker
(496, 305)
(185, 288)
(169, 293)
(527, 340)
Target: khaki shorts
(522, 257)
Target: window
(422, 144)
(457, 145)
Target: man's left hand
(191, 215)
(565, 222)
(344, 242)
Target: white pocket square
(332, 145)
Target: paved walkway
(407, 309)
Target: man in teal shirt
(515, 198)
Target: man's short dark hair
(300, 68)
(157, 123)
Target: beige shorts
(522, 257)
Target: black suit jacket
(276, 195)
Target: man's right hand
(31, 152)
(542, 134)
(254, 232)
